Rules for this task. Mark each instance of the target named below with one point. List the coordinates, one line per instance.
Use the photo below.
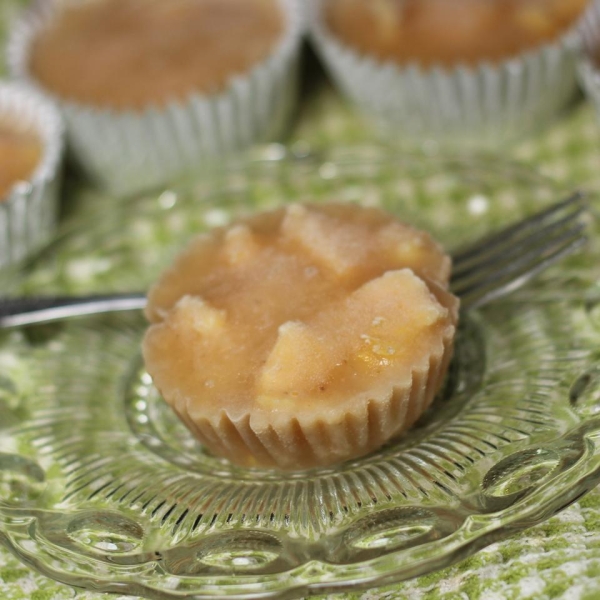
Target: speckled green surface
(559, 559)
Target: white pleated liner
(295, 442)
(127, 151)
(588, 69)
(484, 105)
(28, 215)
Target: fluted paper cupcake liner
(483, 105)
(302, 441)
(28, 215)
(588, 70)
(127, 151)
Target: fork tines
(503, 262)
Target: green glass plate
(101, 487)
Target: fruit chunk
(241, 246)
(335, 246)
(296, 365)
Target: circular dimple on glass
(584, 394)
(100, 534)
(106, 532)
(21, 479)
(517, 475)
(234, 551)
(392, 530)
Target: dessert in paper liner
(28, 215)
(304, 337)
(483, 104)
(127, 150)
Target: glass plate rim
(585, 481)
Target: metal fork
(503, 262)
(485, 271)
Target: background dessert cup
(129, 149)
(481, 102)
(28, 210)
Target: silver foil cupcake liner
(482, 106)
(588, 69)
(28, 215)
(128, 151)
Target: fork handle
(15, 312)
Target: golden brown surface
(301, 319)
(20, 154)
(448, 32)
(133, 53)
